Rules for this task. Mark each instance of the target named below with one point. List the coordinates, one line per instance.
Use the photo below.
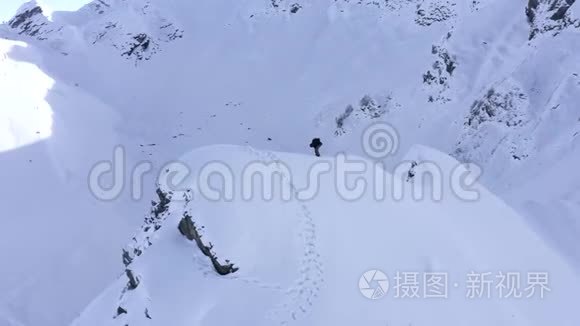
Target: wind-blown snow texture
(490, 81)
(300, 261)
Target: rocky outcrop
(367, 108)
(498, 107)
(152, 223)
(429, 13)
(133, 280)
(136, 40)
(30, 21)
(550, 16)
(436, 79)
(135, 286)
(189, 230)
(495, 125)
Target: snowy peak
(138, 30)
(135, 30)
(31, 21)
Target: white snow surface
(459, 80)
(300, 261)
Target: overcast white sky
(8, 7)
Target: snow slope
(300, 261)
(47, 146)
(477, 80)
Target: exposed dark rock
(153, 223)
(135, 44)
(340, 120)
(24, 17)
(137, 252)
(560, 13)
(142, 43)
(133, 281)
(531, 10)
(549, 16)
(497, 125)
(496, 106)
(127, 259)
(295, 7)
(434, 13)
(120, 311)
(188, 229)
(160, 207)
(99, 6)
(440, 73)
(369, 106)
(411, 173)
(31, 22)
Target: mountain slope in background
(489, 81)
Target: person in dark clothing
(316, 143)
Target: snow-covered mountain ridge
(491, 82)
(308, 275)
